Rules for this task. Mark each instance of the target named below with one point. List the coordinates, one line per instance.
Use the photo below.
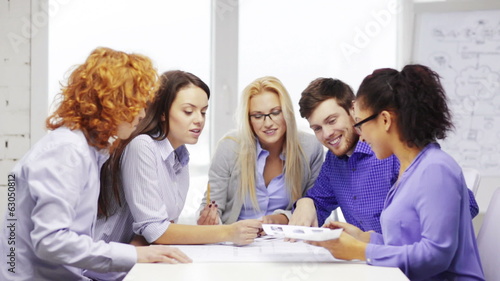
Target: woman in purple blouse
(426, 223)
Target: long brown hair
(155, 124)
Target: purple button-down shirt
(357, 184)
(273, 197)
(426, 222)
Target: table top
(262, 271)
(267, 258)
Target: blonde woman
(261, 169)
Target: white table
(265, 259)
(264, 271)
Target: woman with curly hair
(426, 222)
(57, 181)
(260, 170)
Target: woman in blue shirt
(266, 165)
(426, 223)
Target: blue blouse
(273, 197)
(427, 224)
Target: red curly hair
(109, 88)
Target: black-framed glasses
(357, 126)
(262, 117)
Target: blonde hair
(248, 145)
(109, 88)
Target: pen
(208, 194)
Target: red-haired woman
(57, 182)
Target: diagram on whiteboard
(464, 49)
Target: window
(299, 41)
(296, 41)
(174, 34)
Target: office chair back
(472, 179)
(487, 239)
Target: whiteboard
(464, 49)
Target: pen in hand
(209, 214)
(208, 194)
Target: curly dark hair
(415, 95)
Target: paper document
(264, 249)
(301, 232)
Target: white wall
(23, 80)
(174, 34)
(299, 41)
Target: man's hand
(305, 213)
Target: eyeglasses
(357, 126)
(262, 117)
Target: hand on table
(161, 253)
(244, 232)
